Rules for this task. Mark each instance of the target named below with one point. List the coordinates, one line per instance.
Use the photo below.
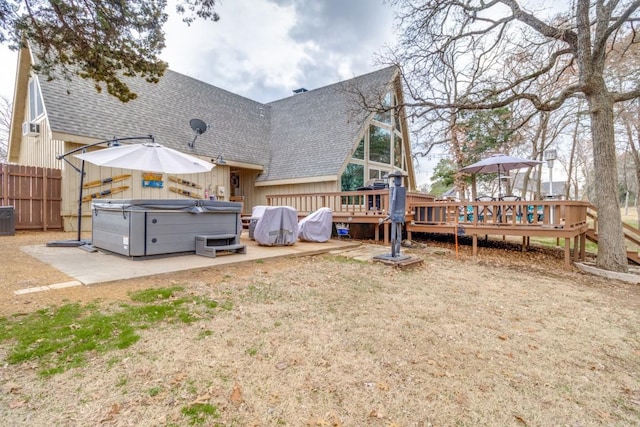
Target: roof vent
(301, 90)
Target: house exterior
(313, 141)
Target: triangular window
(36, 107)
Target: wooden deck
(562, 219)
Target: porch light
(219, 160)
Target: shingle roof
(307, 134)
(313, 132)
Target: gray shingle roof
(313, 132)
(307, 134)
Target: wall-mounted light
(219, 160)
(199, 127)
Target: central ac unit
(30, 129)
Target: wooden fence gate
(35, 194)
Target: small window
(375, 174)
(36, 109)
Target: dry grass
(509, 339)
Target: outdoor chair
(534, 214)
(509, 209)
(317, 226)
(465, 213)
(484, 211)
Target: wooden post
(474, 245)
(567, 253)
(386, 233)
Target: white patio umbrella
(150, 157)
(499, 163)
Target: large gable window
(379, 145)
(397, 151)
(385, 116)
(359, 151)
(36, 108)
(380, 151)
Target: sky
(264, 49)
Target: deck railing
(565, 214)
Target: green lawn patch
(59, 338)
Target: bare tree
(572, 46)
(5, 122)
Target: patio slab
(89, 268)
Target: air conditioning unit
(30, 129)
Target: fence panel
(35, 193)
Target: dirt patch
(509, 338)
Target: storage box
(7, 221)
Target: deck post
(583, 246)
(474, 245)
(386, 233)
(567, 253)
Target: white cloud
(263, 49)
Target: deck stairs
(631, 235)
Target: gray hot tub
(156, 227)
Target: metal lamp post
(549, 156)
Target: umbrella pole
(80, 201)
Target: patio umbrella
(499, 163)
(150, 157)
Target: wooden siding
(261, 193)
(41, 150)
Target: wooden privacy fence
(35, 194)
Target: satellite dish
(199, 127)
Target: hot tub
(138, 228)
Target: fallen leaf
(178, 378)
(503, 337)
(236, 395)
(382, 386)
(282, 365)
(10, 387)
(376, 413)
(203, 398)
(519, 418)
(115, 410)
(17, 404)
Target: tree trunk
(612, 254)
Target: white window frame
(36, 105)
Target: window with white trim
(36, 107)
